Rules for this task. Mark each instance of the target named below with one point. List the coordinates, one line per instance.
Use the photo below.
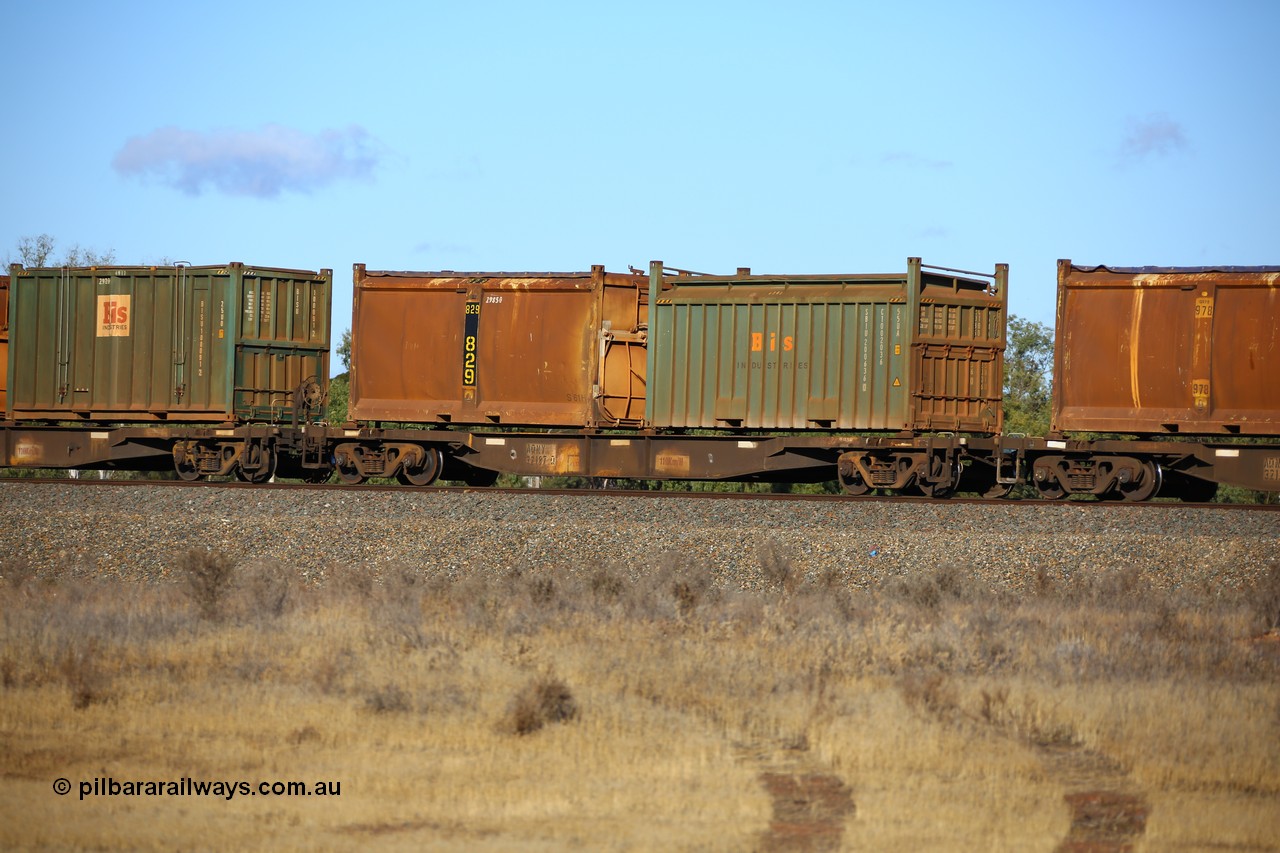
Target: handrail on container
(962, 272)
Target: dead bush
(930, 692)
(207, 577)
(86, 677)
(930, 587)
(1266, 597)
(606, 587)
(778, 567)
(15, 572)
(388, 699)
(264, 589)
(544, 700)
(683, 585)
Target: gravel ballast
(138, 532)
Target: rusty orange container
(1160, 350)
(4, 339)
(524, 348)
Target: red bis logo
(114, 312)
(757, 342)
(113, 315)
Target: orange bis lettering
(757, 342)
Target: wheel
(851, 481)
(1047, 486)
(347, 471)
(186, 469)
(933, 488)
(1147, 484)
(266, 464)
(424, 474)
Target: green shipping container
(916, 351)
(169, 343)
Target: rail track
(1100, 505)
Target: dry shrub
(678, 583)
(15, 572)
(332, 670)
(778, 567)
(928, 589)
(387, 699)
(931, 692)
(207, 577)
(1265, 596)
(605, 586)
(85, 675)
(264, 590)
(349, 582)
(542, 701)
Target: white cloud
(1156, 135)
(261, 163)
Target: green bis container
(225, 344)
(917, 351)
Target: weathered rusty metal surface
(530, 349)
(4, 340)
(229, 343)
(132, 448)
(1160, 350)
(917, 350)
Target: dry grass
(624, 707)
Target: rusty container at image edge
(512, 348)
(167, 343)
(1161, 350)
(917, 350)
(4, 340)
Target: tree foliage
(1028, 377)
(344, 351)
(38, 251)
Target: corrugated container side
(166, 343)
(284, 339)
(4, 341)
(530, 349)
(1161, 350)
(915, 350)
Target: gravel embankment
(136, 532)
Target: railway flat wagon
(915, 351)
(217, 344)
(1168, 350)
(1177, 362)
(553, 349)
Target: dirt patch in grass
(1104, 822)
(809, 810)
(1107, 815)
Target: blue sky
(801, 137)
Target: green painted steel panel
(227, 343)
(920, 350)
